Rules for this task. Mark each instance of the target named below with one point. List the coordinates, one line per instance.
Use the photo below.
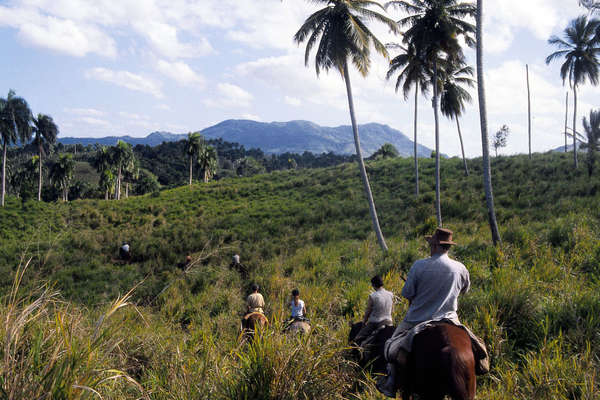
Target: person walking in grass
(379, 311)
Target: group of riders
(432, 288)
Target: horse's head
(354, 329)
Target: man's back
(433, 286)
(255, 302)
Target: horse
(301, 327)
(376, 358)
(251, 323)
(441, 362)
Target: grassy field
(535, 299)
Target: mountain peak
(295, 136)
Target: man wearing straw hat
(432, 288)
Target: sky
(131, 67)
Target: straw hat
(441, 236)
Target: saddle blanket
(403, 339)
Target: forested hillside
(534, 299)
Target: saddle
(402, 341)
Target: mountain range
(282, 137)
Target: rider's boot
(396, 375)
(388, 386)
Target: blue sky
(116, 67)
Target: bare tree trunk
(566, 119)
(206, 176)
(575, 125)
(118, 185)
(438, 203)
(126, 190)
(415, 141)
(462, 147)
(191, 157)
(528, 109)
(3, 172)
(487, 173)
(106, 195)
(361, 163)
(40, 174)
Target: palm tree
(340, 29)
(580, 48)
(102, 161)
(61, 174)
(207, 162)
(414, 72)
(107, 182)
(454, 96)
(592, 131)
(121, 157)
(192, 146)
(14, 126)
(487, 170)
(45, 132)
(434, 29)
(131, 172)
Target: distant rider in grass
(255, 305)
(297, 309)
(255, 301)
(378, 313)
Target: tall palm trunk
(528, 109)
(3, 172)
(415, 141)
(566, 120)
(438, 204)
(191, 157)
(462, 147)
(575, 125)
(487, 173)
(40, 174)
(118, 185)
(361, 163)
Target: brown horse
(441, 363)
(251, 323)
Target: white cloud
(61, 35)
(251, 117)
(85, 111)
(292, 101)
(181, 73)
(94, 121)
(133, 116)
(79, 27)
(164, 107)
(230, 95)
(125, 79)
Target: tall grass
(535, 300)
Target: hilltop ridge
(295, 136)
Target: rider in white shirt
(297, 306)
